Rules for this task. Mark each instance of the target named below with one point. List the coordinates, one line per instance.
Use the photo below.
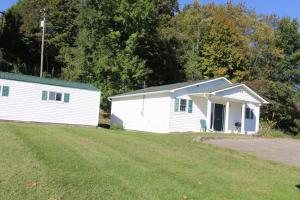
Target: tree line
(118, 45)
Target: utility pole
(2, 22)
(43, 24)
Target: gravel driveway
(283, 150)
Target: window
(5, 91)
(58, 97)
(55, 96)
(52, 96)
(44, 95)
(182, 105)
(66, 97)
(190, 108)
(249, 113)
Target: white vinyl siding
(144, 113)
(25, 103)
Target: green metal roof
(46, 81)
(162, 88)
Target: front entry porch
(230, 115)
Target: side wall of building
(25, 103)
(143, 113)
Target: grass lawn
(65, 162)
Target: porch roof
(213, 92)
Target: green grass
(65, 162)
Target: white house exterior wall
(144, 113)
(25, 103)
(184, 121)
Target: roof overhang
(138, 94)
(214, 93)
(202, 83)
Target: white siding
(250, 123)
(184, 121)
(24, 103)
(144, 113)
(235, 115)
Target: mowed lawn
(65, 162)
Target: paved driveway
(283, 150)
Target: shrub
(273, 133)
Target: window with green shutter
(190, 108)
(5, 91)
(66, 97)
(44, 95)
(176, 107)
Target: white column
(208, 113)
(257, 119)
(227, 117)
(243, 118)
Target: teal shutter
(190, 108)
(176, 108)
(44, 95)
(66, 97)
(5, 91)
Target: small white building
(33, 99)
(209, 105)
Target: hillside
(66, 162)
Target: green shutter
(5, 91)
(44, 95)
(176, 108)
(66, 97)
(190, 109)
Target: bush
(273, 133)
(117, 127)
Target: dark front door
(218, 117)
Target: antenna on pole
(43, 25)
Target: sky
(280, 7)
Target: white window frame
(185, 110)
(55, 101)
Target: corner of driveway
(283, 150)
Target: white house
(34, 99)
(209, 105)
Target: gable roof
(46, 81)
(165, 88)
(215, 90)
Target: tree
(119, 46)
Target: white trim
(201, 83)
(164, 91)
(243, 85)
(138, 94)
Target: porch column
(227, 117)
(257, 119)
(243, 118)
(208, 113)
